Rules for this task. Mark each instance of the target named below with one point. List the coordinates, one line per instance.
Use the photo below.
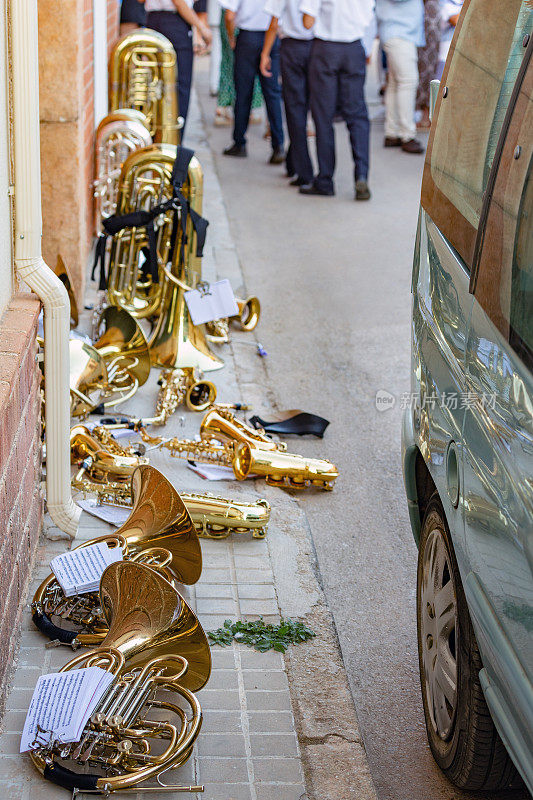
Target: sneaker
(412, 146)
(238, 150)
(278, 156)
(392, 141)
(362, 192)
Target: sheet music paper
(217, 303)
(115, 515)
(61, 704)
(79, 571)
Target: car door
(497, 437)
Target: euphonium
(142, 76)
(224, 426)
(283, 469)
(120, 133)
(159, 532)
(156, 649)
(113, 368)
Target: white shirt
(290, 18)
(249, 14)
(339, 20)
(163, 5)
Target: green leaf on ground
(261, 635)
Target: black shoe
(299, 182)
(412, 146)
(238, 150)
(392, 141)
(362, 192)
(310, 188)
(278, 156)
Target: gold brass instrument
(120, 133)
(143, 76)
(216, 517)
(63, 274)
(178, 386)
(283, 469)
(221, 424)
(104, 464)
(112, 370)
(159, 533)
(249, 313)
(156, 649)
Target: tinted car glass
(504, 285)
(487, 52)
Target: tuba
(156, 650)
(143, 77)
(113, 368)
(120, 133)
(158, 533)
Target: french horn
(120, 133)
(111, 370)
(159, 532)
(157, 651)
(143, 76)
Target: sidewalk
(275, 728)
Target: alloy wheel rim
(438, 632)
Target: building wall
(21, 505)
(6, 220)
(66, 96)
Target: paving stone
(280, 791)
(253, 575)
(13, 721)
(229, 791)
(221, 722)
(210, 575)
(222, 744)
(214, 590)
(253, 659)
(270, 721)
(220, 700)
(268, 701)
(222, 657)
(19, 699)
(274, 744)
(210, 622)
(253, 562)
(217, 560)
(207, 605)
(10, 744)
(282, 770)
(224, 679)
(221, 770)
(262, 607)
(256, 591)
(272, 680)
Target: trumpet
(159, 532)
(112, 370)
(155, 648)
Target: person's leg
(323, 91)
(353, 106)
(294, 57)
(392, 122)
(404, 64)
(272, 94)
(244, 70)
(179, 34)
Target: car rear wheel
(461, 733)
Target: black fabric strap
(68, 779)
(300, 424)
(181, 166)
(47, 627)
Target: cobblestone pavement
(257, 707)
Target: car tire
(461, 733)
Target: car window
(478, 80)
(504, 285)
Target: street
(333, 277)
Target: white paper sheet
(79, 571)
(218, 302)
(115, 515)
(61, 704)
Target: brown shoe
(412, 146)
(392, 141)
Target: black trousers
(337, 73)
(294, 64)
(177, 31)
(245, 68)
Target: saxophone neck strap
(293, 423)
